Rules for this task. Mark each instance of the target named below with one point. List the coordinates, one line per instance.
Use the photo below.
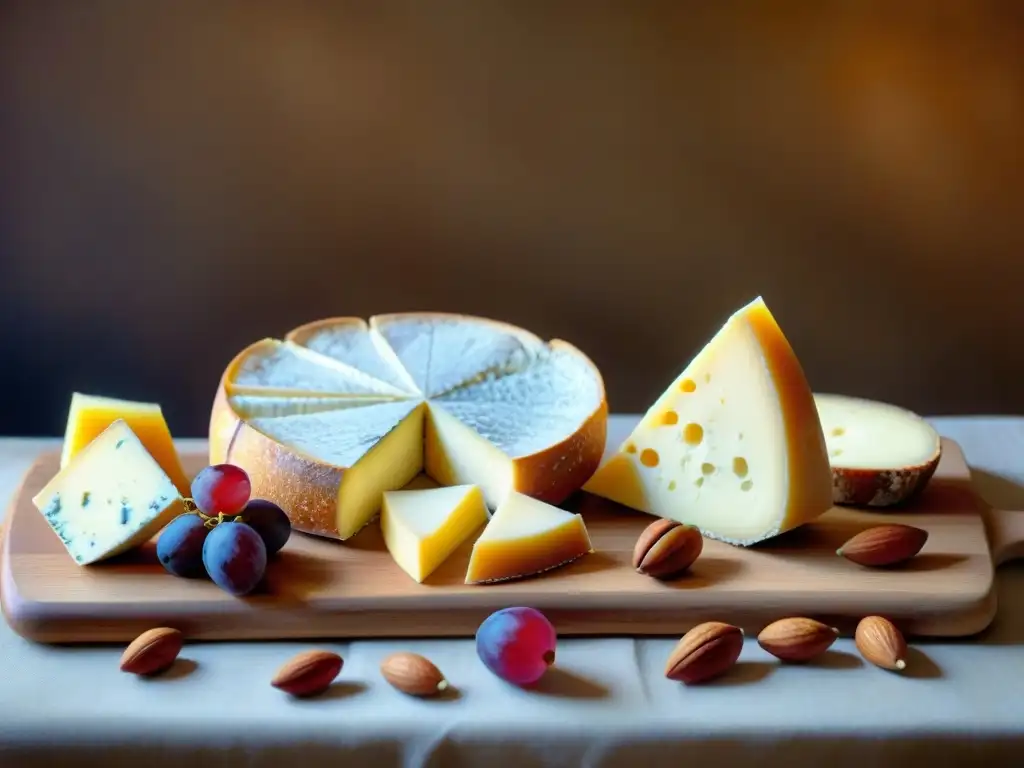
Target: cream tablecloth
(606, 705)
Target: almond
(666, 548)
(413, 674)
(797, 638)
(884, 545)
(308, 673)
(881, 643)
(153, 651)
(705, 652)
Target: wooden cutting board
(318, 588)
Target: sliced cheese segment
(90, 415)
(505, 447)
(881, 454)
(734, 446)
(272, 367)
(111, 497)
(442, 351)
(526, 537)
(349, 341)
(422, 528)
(270, 406)
(328, 471)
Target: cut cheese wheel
(442, 351)
(273, 367)
(521, 416)
(422, 527)
(349, 340)
(329, 470)
(90, 415)
(526, 537)
(734, 446)
(881, 455)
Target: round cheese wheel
(342, 410)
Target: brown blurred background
(180, 178)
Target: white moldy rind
(881, 455)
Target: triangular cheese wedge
(525, 537)
(734, 446)
(423, 526)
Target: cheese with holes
(89, 415)
(111, 497)
(343, 410)
(734, 446)
(423, 527)
(881, 455)
(526, 537)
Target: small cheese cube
(111, 497)
(89, 415)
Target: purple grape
(180, 546)
(270, 522)
(221, 489)
(235, 557)
(517, 644)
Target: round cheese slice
(343, 410)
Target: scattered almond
(413, 674)
(153, 651)
(308, 673)
(884, 545)
(666, 548)
(797, 638)
(705, 652)
(881, 643)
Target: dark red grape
(221, 489)
(517, 644)
(235, 557)
(180, 546)
(269, 521)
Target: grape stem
(210, 520)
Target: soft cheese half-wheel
(444, 351)
(881, 455)
(734, 446)
(329, 470)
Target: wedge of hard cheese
(526, 537)
(734, 446)
(422, 527)
(881, 454)
(111, 497)
(89, 415)
(343, 411)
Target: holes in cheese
(441, 352)
(423, 527)
(90, 415)
(750, 462)
(881, 454)
(112, 496)
(526, 537)
(527, 416)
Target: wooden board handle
(1003, 501)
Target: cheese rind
(111, 497)
(734, 446)
(423, 527)
(90, 415)
(526, 537)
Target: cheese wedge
(734, 446)
(111, 497)
(422, 528)
(90, 415)
(526, 537)
(508, 413)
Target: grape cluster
(229, 537)
(517, 644)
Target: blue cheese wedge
(112, 497)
